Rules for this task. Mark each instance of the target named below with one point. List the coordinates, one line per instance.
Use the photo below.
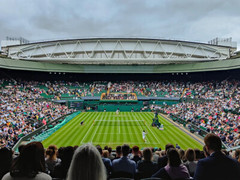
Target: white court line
(119, 143)
(117, 133)
(87, 132)
(95, 132)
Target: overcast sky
(194, 20)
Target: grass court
(107, 128)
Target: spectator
(118, 152)
(146, 165)
(162, 161)
(30, 165)
(181, 154)
(197, 154)
(191, 164)
(5, 161)
(61, 168)
(135, 152)
(124, 164)
(217, 165)
(106, 161)
(111, 157)
(87, 164)
(51, 159)
(174, 169)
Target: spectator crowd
(21, 112)
(96, 163)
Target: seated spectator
(111, 157)
(124, 164)
(106, 161)
(162, 161)
(181, 154)
(5, 161)
(174, 169)
(87, 164)
(135, 152)
(191, 164)
(51, 159)
(118, 152)
(217, 165)
(197, 154)
(30, 164)
(61, 168)
(146, 165)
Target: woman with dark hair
(146, 166)
(51, 159)
(61, 169)
(174, 169)
(30, 165)
(5, 161)
(191, 164)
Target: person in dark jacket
(162, 161)
(217, 165)
(146, 166)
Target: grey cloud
(183, 19)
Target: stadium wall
(164, 68)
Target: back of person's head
(105, 147)
(147, 154)
(20, 148)
(173, 157)
(86, 164)
(197, 153)
(51, 151)
(213, 142)
(135, 149)
(5, 161)
(125, 149)
(105, 154)
(190, 155)
(67, 154)
(30, 161)
(119, 150)
(109, 150)
(168, 146)
(181, 153)
(99, 148)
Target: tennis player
(144, 135)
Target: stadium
(108, 91)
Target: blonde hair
(87, 164)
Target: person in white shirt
(144, 135)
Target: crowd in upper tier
(90, 162)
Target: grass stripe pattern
(111, 130)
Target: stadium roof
(118, 51)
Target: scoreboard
(75, 104)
